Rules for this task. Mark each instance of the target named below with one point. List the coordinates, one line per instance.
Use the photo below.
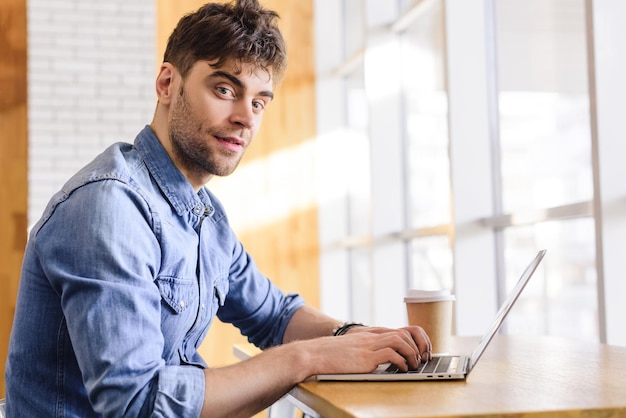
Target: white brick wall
(91, 67)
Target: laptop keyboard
(435, 365)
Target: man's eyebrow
(237, 82)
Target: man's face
(214, 117)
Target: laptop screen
(505, 308)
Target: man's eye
(259, 105)
(224, 91)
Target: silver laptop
(447, 366)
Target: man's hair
(240, 30)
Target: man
(133, 258)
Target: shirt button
(181, 304)
(202, 306)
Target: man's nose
(243, 115)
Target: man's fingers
(400, 349)
(389, 355)
(409, 345)
(421, 339)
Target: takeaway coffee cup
(432, 310)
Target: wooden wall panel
(286, 249)
(13, 162)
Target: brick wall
(91, 67)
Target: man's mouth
(231, 139)
(231, 142)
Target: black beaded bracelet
(345, 327)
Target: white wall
(91, 67)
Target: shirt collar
(170, 180)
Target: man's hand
(414, 335)
(362, 349)
(405, 347)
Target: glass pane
(431, 264)
(405, 5)
(543, 103)
(354, 29)
(562, 298)
(361, 286)
(426, 105)
(357, 167)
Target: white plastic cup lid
(417, 295)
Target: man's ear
(165, 83)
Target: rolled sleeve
(180, 392)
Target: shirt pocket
(179, 294)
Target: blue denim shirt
(121, 280)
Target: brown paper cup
(433, 312)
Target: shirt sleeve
(254, 304)
(101, 256)
(170, 391)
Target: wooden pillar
(13, 163)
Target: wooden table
(516, 377)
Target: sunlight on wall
(275, 186)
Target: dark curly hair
(241, 30)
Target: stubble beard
(191, 143)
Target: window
(479, 140)
(545, 146)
